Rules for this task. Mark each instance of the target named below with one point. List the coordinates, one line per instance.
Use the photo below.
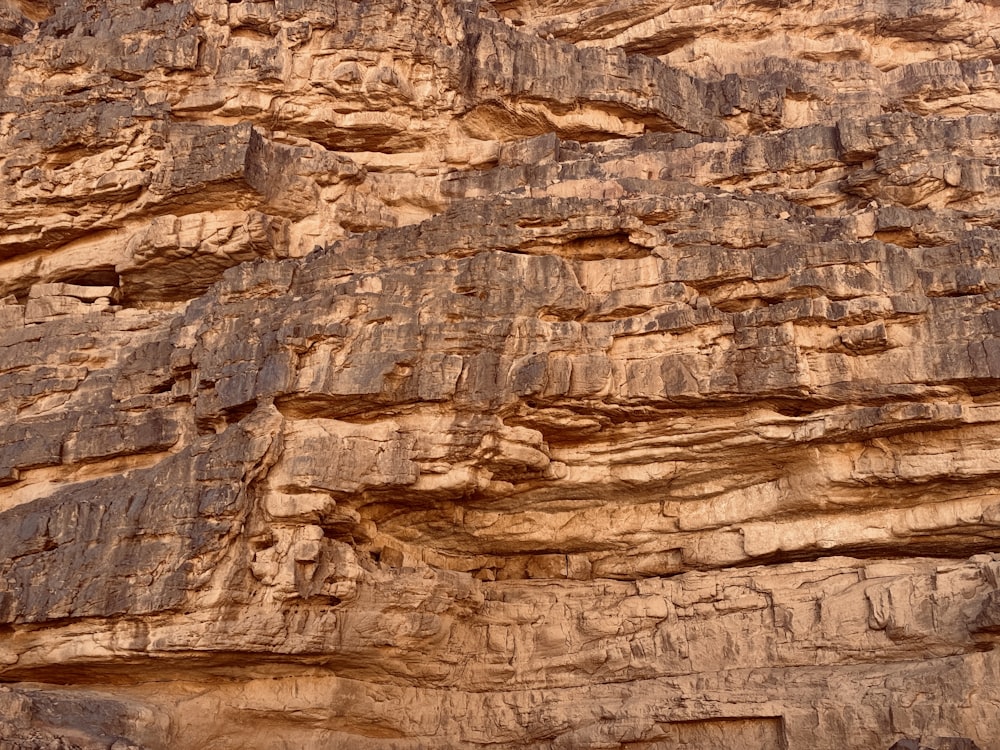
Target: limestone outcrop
(457, 374)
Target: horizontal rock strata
(496, 375)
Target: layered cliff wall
(457, 374)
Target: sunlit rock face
(452, 374)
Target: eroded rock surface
(513, 374)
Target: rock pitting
(496, 375)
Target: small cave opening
(97, 276)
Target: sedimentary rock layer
(522, 374)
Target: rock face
(454, 374)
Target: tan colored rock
(505, 374)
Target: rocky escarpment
(521, 374)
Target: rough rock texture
(526, 374)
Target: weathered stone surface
(938, 743)
(513, 374)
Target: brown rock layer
(455, 374)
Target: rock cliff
(453, 374)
